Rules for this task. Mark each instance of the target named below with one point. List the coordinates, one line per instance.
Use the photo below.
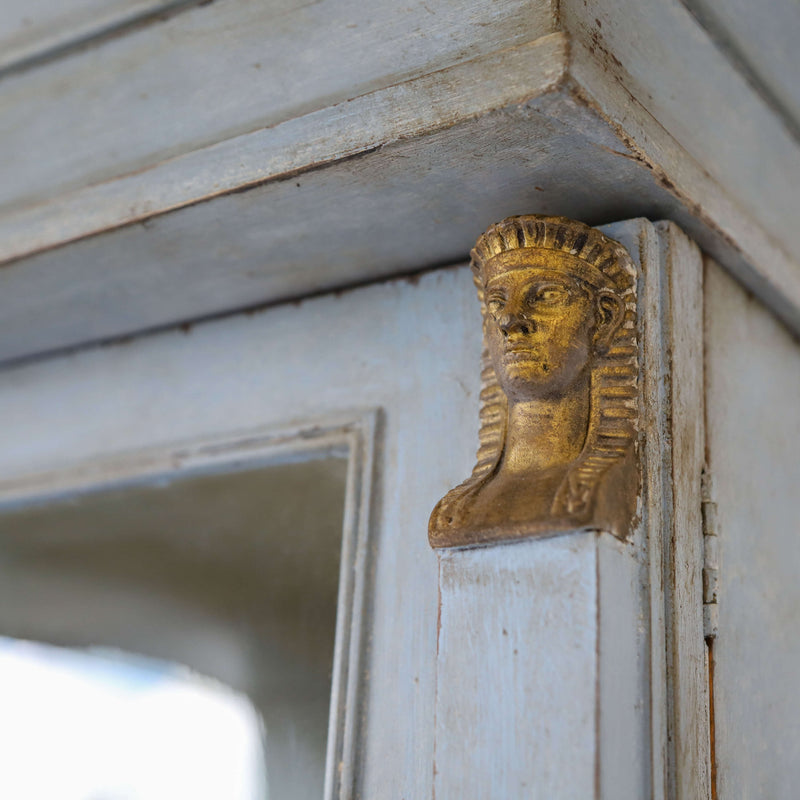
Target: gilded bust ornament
(560, 364)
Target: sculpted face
(560, 394)
(544, 327)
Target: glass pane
(234, 575)
(80, 725)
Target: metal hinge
(710, 559)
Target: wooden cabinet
(273, 203)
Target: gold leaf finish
(559, 395)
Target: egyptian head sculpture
(558, 413)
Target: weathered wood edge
(65, 29)
(687, 684)
(552, 67)
(353, 435)
(762, 259)
(656, 495)
(406, 110)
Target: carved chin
(526, 367)
(528, 378)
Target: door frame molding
(351, 435)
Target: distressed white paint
(541, 681)
(414, 203)
(626, 704)
(31, 29)
(753, 373)
(710, 126)
(760, 40)
(411, 350)
(193, 636)
(517, 675)
(597, 688)
(680, 352)
(356, 126)
(224, 68)
(459, 112)
(658, 52)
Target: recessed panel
(235, 575)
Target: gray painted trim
(72, 32)
(352, 434)
(724, 35)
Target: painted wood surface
(697, 95)
(417, 202)
(409, 349)
(540, 685)
(760, 44)
(502, 730)
(36, 29)
(479, 103)
(682, 346)
(753, 373)
(355, 127)
(224, 68)
(627, 57)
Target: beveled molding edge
(560, 368)
(262, 446)
(298, 145)
(351, 434)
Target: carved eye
(495, 305)
(551, 294)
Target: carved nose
(516, 324)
